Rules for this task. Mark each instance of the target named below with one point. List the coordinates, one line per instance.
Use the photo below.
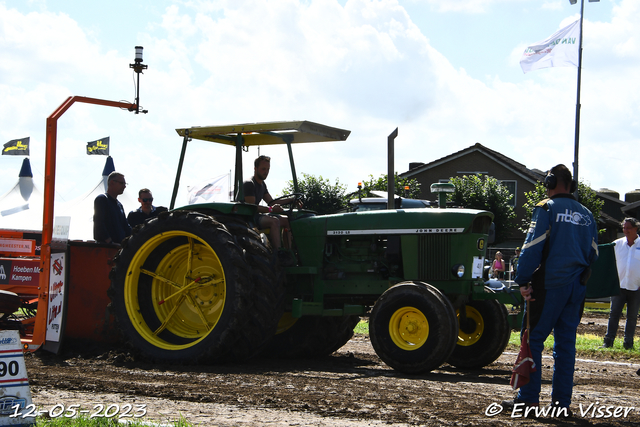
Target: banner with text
(558, 50)
(99, 147)
(17, 147)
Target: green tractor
(201, 284)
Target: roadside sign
(18, 247)
(15, 395)
(57, 290)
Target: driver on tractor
(255, 190)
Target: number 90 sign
(14, 384)
(11, 368)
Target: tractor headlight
(458, 270)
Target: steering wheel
(295, 197)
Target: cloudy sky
(446, 73)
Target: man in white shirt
(627, 250)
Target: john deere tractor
(201, 284)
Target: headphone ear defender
(550, 181)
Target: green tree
(319, 194)
(486, 193)
(380, 184)
(586, 196)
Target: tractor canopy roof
(268, 133)
(252, 134)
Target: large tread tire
(413, 328)
(310, 337)
(260, 257)
(484, 337)
(185, 290)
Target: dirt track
(350, 388)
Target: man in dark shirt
(109, 221)
(146, 209)
(255, 190)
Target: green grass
(586, 344)
(362, 327)
(600, 310)
(84, 421)
(79, 422)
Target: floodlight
(138, 54)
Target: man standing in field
(553, 269)
(628, 262)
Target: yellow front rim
(409, 328)
(474, 327)
(175, 290)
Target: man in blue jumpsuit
(560, 246)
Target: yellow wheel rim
(182, 298)
(286, 322)
(409, 328)
(474, 327)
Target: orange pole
(40, 326)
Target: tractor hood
(410, 221)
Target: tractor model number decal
(396, 231)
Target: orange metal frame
(40, 327)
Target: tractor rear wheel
(184, 289)
(412, 327)
(310, 336)
(260, 257)
(484, 335)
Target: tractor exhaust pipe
(391, 185)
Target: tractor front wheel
(412, 327)
(483, 336)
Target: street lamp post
(138, 66)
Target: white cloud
(551, 5)
(465, 6)
(364, 66)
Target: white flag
(559, 50)
(213, 190)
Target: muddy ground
(350, 388)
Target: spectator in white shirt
(627, 250)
